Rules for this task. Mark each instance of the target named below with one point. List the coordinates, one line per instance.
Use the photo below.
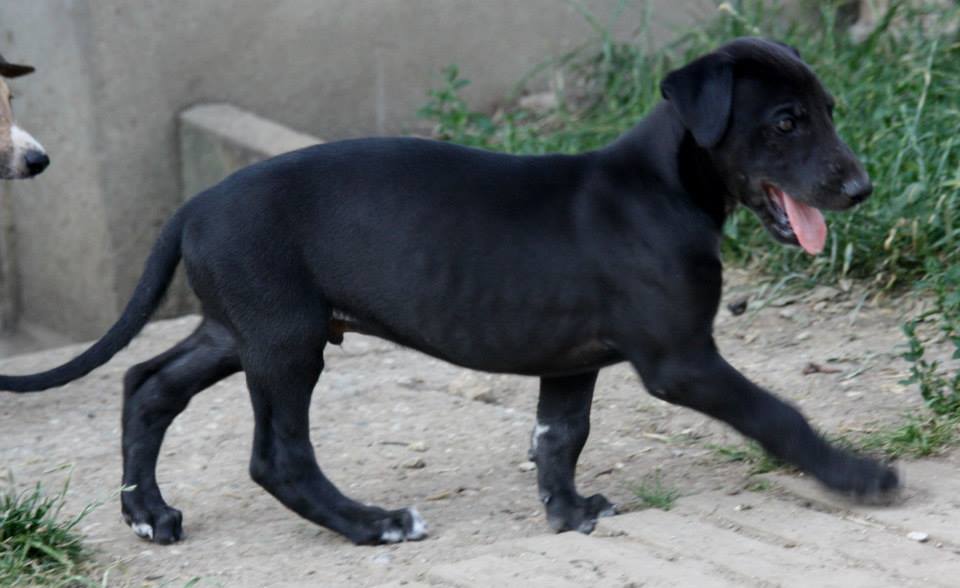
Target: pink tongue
(808, 225)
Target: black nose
(37, 161)
(858, 190)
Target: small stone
(527, 466)
(540, 103)
(415, 464)
(473, 387)
(918, 536)
(742, 507)
(823, 293)
(440, 495)
(738, 307)
(803, 335)
(418, 446)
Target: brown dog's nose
(37, 161)
(858, 190)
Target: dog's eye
(786, 124)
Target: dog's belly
(586, 355)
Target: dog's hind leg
(281, 381)
(155, 392)
(563, 424)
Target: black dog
(552, 266)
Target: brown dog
(21, 156)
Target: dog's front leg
(700, 379)
(563, 424)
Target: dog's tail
(147, 296)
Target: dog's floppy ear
(702, 92)
(13, 70)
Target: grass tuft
(750, 453)
(916, 437)
(38, 547)
(653, 493)
(758, 485)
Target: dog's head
(767, 123)
(21, 156)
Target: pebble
(415, 464)
(918, 536)
(418, 446)
(527, 466)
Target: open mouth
(795, 222)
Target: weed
(652, 493)
(37, 546)
(758, 485)
(751, 453)
(940, 392)
(917, 437)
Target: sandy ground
(395, 428)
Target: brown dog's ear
(701, 93)
(13, 70)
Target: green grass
(750, 453)
(38, 545)
(918, 436)
(758, 485)
(653, 493)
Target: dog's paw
(863, 480)
(163, 525)
(581, 515)
(402, 525)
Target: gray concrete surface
(112, 76)
(789, 535)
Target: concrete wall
(112, 75)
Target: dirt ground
(396, 428)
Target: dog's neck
(660, 146)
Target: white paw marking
(608, 512)
(392, 536)
(142, 530)
(419, 530)
(538, 430)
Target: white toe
(142, 530)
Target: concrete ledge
(218, 139)
(215, 141)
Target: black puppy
(552, 266)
